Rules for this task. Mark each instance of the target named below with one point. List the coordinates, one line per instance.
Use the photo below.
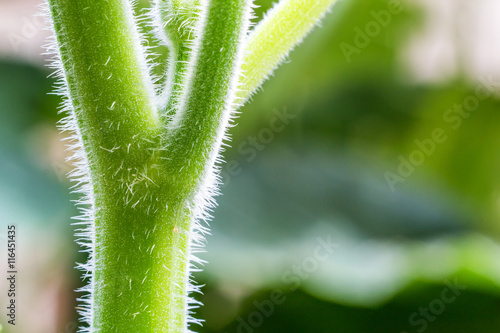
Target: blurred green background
(340, 147)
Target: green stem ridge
(146, 162)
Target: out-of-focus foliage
(322, 174)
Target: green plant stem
(111, 95)
(151, 176)
(144, 181)
(283, 27)
(197, 130)
(178, 22)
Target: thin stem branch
(177, 28)
(283, 27)
(197, 130)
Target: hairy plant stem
(283, 27)
(178, 21)
(145, 177)
(151, 158)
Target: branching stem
(151, 159)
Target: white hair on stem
(81, 161)
(80, 175)
(200, 205)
